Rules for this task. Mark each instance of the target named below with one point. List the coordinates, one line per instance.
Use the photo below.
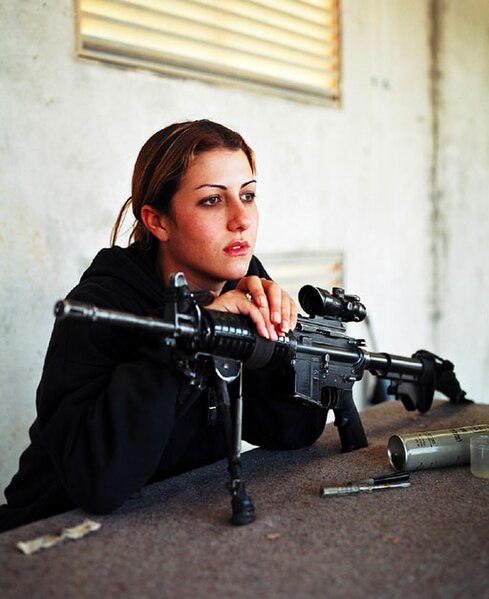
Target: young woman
(113, 411)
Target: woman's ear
(155, 222)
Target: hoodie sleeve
(106, 410)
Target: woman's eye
(211, 201)
(249, 196)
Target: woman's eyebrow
(223, 186)
(211, 185)
(248, 182)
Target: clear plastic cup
(479, 455)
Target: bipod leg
(243, 511)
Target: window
(286, 47)
(292, 271)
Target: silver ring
(248, 296)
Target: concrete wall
(395, 178)
(461, 324)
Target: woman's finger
(237, 302)
(278, 308)
(254, 286)
(266, 295)
(289, 313)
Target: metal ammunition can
(418, 451)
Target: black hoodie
(110, 418)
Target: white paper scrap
(50, 540)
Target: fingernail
(276, 317)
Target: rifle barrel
(74, 309)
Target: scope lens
(319, 302)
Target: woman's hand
(271, 309)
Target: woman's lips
(237, 248)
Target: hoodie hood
(122, 274)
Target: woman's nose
(240, 217)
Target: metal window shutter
(289, 47)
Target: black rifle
(320, 362)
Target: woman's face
(212, 229)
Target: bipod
(225, 371)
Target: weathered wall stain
(438, 224)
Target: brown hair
(164, 160)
